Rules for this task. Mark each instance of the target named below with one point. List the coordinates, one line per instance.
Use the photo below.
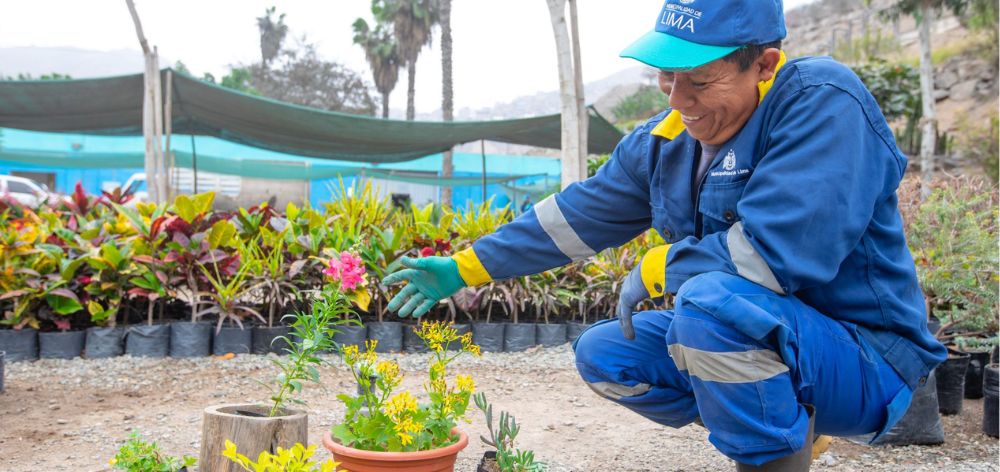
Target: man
(774, 183)
(526, 204)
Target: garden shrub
(953, 238)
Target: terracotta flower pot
(435, 460)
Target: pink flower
(349, 270)
(426, 252)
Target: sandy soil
(73, 415)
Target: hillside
(77, 63)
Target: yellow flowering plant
(296, 459)
(380, 419)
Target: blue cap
(692, 33)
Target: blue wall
(466, 164)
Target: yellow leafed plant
(296, 459)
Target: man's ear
(766, 64)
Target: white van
(26, 191)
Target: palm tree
(925, 11)
(272, 34)
(412, 22)
(380, 52)
(447, 91)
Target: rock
(941, 94)
(984, 88)
(969, 70)
(964, 90)
(945, 80)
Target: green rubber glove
(430, 280)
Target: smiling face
(717, 99)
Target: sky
(502, 49)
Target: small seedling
(509, 458)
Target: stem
(278, 401)
(270, 314)
(955, 335)
(194, 294)
(149, 312)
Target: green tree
(52, 76)
(894, 87)
(302, 77)
(272, 34)
(447, 91)
(412, 22)
(380, 52)
(182, 68)
(983, 16)
(240, 78)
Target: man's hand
(645, 281)
(430, 280)
(633, 292)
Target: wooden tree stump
(247, 426)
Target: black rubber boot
(797, 462)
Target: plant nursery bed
(73, 415)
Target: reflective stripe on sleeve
(555, 225)
(615, 391)
(727, 367)
(748, 263)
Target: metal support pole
(482, 148)
(168, 164)
(194, 166)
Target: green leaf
(68, 267)
(63, 305)
(203, 202)
(291, 211)
(223, 233)
(111, 254)
(342, 432)
(184, 208)
(134, 217)
(144, 283)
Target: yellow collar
(672, 126)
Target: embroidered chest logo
(730, 161)
(729, 167)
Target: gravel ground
(72, 415)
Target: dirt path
(73, 415)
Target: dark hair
(744, 56)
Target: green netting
(285, 169)
(113, 106)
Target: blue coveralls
(793, 280)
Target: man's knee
(592, 344)
(700, 300)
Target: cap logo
(680, 17)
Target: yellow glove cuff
(469, 267)
(653, 270)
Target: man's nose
(680, 95)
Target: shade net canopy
(113, 106)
